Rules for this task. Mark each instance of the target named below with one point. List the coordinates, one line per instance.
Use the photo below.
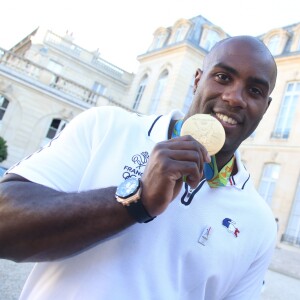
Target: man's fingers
(182, 149)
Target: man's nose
(234, 96)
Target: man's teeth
(226, 119)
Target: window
(99, 88)
(189, 98)
(55, 68)
(292, 234)
(273, 44)
(160, 37)
(210, 38)
(57, 125)
(140, 92)
(159, 41)
(268, 181)
(295, 45)
(3, 106)
(158, 91)
(296, 38)
(180, 33)
(287, 111)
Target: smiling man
(75, 208)
(235, 90)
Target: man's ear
(198, 75)
(269, 102)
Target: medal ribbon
(214, 178)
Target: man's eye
(222, 77)
(255, 91)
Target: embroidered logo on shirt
(140, 160)
(230, 225)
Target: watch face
(127, 187)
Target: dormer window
(296, 39)
(209, 38)
(180, 33)
(276, 40)
(180, 30)
(298, 46)
(159, 40)
(160, 37)
(273, 44)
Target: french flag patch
(231, 227)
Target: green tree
(3, 149)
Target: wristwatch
(129, 193)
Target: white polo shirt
(209, 244)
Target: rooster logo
(141, 159)
(230, 225)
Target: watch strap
(138, 211)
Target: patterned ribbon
(214, 178)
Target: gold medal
(207, 130)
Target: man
(207, 240)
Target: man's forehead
(235, 50)
(239, 54)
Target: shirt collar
(159, 128)
(241, 178)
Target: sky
(123, 29)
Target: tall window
(140, 92)
(273, 44)
(292, 234)
(3, 106)
(56, 68)
(189, 98)
(99, 88)
(56, 126)
(268, 181)
(158, 91)
(286, 115)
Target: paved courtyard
(12, 278)
(280, 287)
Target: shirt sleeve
(61, 163)
(250, 285)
